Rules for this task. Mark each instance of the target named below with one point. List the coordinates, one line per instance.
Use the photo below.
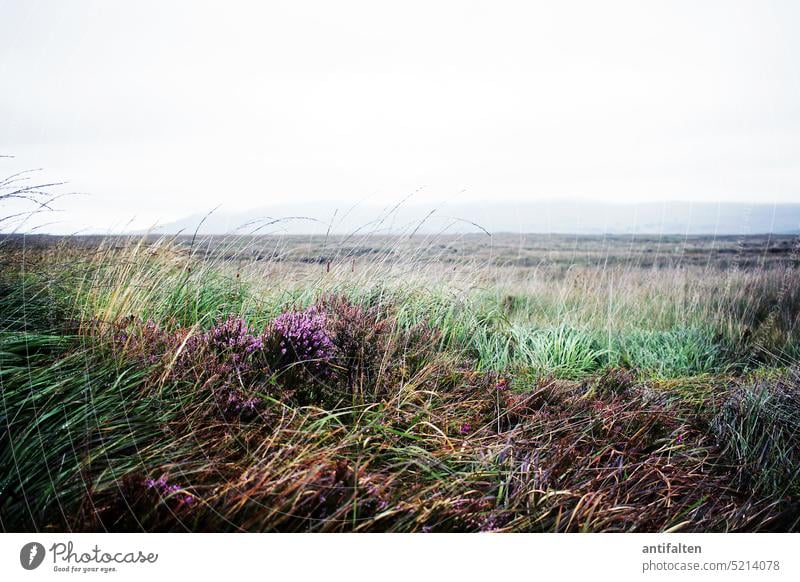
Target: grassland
(415, 383)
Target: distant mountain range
(564, 217)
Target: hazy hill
(574, 217)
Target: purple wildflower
(466, 428)
(165, 489)
(303, 337)
(232, 338)
(226, 349)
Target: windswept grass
(146, 386)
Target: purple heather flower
(466, 428)
(230, 344)
(305, 333)
(234, 402)
(232, 334)
(163, 488)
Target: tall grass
(583, 400)
(672, 321)
(758, 427)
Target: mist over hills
(562, 217)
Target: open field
(469, 250)
(379, 383)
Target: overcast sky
(163, 109)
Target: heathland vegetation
(400, 383)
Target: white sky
(163, 109)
